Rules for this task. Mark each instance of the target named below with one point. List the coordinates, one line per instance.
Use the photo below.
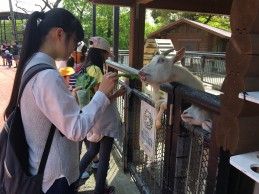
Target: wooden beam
(143, 1)
(222, 7)
(137, 29)
(200, 6)
(122, 3)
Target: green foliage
(86, 81)
(128, 75)
(124, 34)
(222, 22)
(165, 17)
(83, 11)
(104, 20)
(8, 33)
(150, 29)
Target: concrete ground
(122, 182)
(116, 177)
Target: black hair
(95, 56)
(37, 28)
(70, 62)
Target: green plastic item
(128, 75)
(85, 94)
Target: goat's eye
(161, 60)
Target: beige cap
(100, 43)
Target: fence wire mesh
(150, 170)
(121, 105)
(192, 160)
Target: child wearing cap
(66, 72)
(108, 124)
(9, 58)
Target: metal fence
(190, 153)
(187, 160)
(209, 67)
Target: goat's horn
(167, 52)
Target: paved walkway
(116, 177)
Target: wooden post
(116, 21)
(238, 126)
(137, 26)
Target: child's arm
(115, 95)
(74, 92)
(118, 93)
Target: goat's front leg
(158, 119)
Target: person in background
(15, 52)
(108, 124)
(67, 72)
(79, 55)
(46, 99)
(76, 61)
(8, 47)
(9, 58)
(3, 49)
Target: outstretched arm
(118, 93)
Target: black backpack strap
(29, 74)
(26, 77)
(46, 150)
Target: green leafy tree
(83, 11)
(104, 20)
(166, 17)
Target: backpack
(14, 154)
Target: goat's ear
(179, 55)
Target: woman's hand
(108, 83)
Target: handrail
(198, 97)
(122, 68)
(207, 54)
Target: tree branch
(208, 19)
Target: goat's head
(160, 69)
(195, 115)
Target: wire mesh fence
(190, 167)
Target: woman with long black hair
(46, 99)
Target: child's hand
(120, 91)
(74, 91)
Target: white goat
(163, 70)
(195, 115)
